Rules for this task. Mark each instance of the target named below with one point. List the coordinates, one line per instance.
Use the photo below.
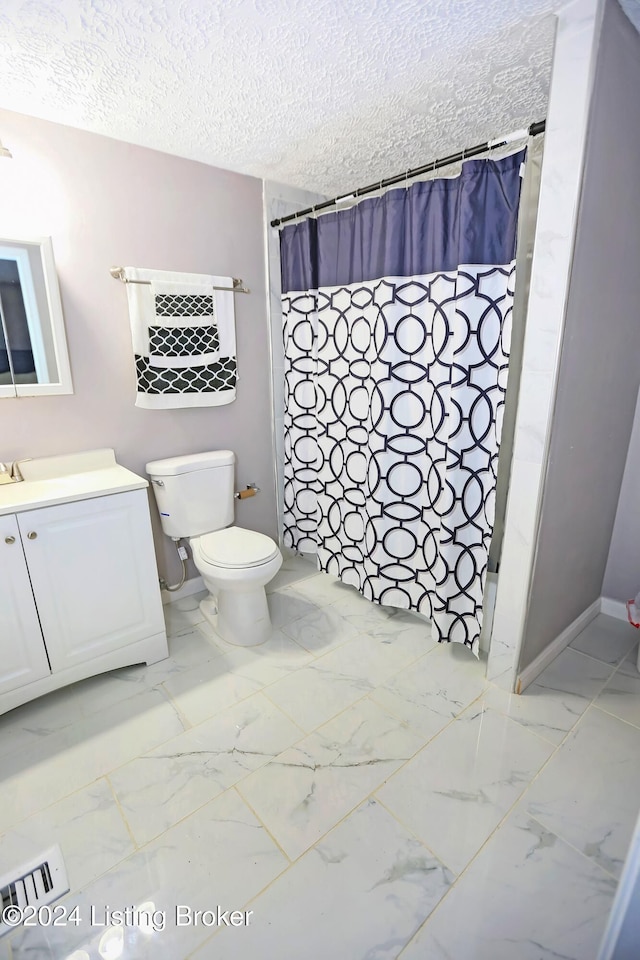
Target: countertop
(83, 476)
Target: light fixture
(145, 914)
(4, 151)
(111, 944)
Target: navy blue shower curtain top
(431, 226)
(396, 322)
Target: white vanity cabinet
(23, 657)
(79, 591)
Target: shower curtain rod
(534, 130)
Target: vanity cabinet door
(23, 657)
(94, 576)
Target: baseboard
(530, 673)
(195, 585)
(613, 608)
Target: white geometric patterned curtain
(394, 391)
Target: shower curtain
(397, 317)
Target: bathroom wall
(622, 575)
(107, 203)
(599, 366)
(565, 135)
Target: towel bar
(118, 274)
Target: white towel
(184, 340)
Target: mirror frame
(64, 383)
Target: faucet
(15, 468)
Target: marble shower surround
(565, 137)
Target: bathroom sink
(61, 479)
(67, 464)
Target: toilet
(195, 497)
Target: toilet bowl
(235, 566)
(195, 500)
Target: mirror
(33, 352)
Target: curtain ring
(406, 179)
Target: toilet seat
(236, 548)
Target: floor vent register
(30, 886)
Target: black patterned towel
(184, 339)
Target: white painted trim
(488, 610)
(195, 585)
(530, 673)
(614, 608)
(272, 380)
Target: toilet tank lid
(195, 461)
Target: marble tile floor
(350, 788)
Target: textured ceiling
(321, 94)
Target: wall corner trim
(535, 668)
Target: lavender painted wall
(622, 576)
(108, 203)
(599, 369)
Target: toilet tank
(194, 493)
